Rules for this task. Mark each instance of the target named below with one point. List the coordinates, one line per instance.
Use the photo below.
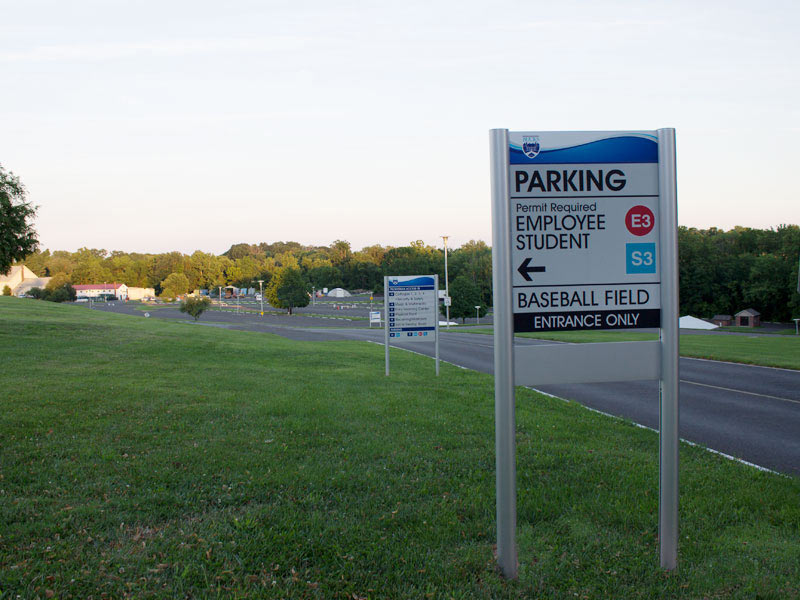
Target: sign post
(411, 311)
(584, 238)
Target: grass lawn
(146, 458)
(759, 330)
(777, 351)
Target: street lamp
(261, 294)
(446, 286)
(478, 315)
(220, 297)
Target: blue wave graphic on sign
(416, 281)
(623, 149)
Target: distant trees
(288, 289)
(17, 236)
(723, 272)
(65, 293)
(57, 281)
(195, 306)
(60, 293)
(720, 271)
(335, 266)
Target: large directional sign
(584, 230)
(584, 236)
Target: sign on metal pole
(411, 311)
(584, 228)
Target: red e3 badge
(640, 220)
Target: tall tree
(174, 285)
(465, 296)
(195, 306)
(474, 259)
(17, 236)
(340, 252)
(288, 289)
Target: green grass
(768, 351)
(231, 308)
(760, 330)
(762, 350)
(151, 459)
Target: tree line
(242, 265)
(721, 272)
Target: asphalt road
(749, 412)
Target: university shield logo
(530, 145)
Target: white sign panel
(584, 230)
(374, 317)
(412, 308)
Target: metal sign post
(668, 384)
(504, 398)
(584, 238)
(411, 311)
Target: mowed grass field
(149, 459)
(768, 351)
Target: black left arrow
(525, 269)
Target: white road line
(727, 362)
(717, 387)
(684, 440)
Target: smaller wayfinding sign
(584, 230)
(411, 308)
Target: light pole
(261, 294)
(220, 297)
(478, 315)
(446, 286)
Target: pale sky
(181, 125)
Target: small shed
(749, 317)
(722, 320)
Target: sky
(147, 126)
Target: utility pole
(446, 284)
(261, 294)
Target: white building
(137, 293)
(20, 279)
(116, 291)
